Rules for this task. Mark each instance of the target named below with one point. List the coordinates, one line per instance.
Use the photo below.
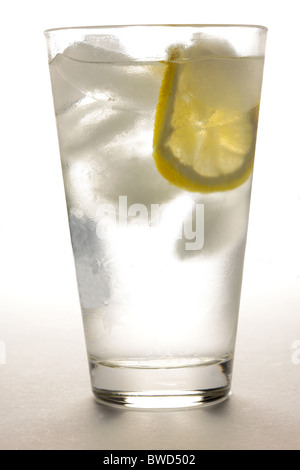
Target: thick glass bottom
(204, 382)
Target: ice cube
(205, 45)
(92, 276)
(96, 102)
(120, 84)
(97, 48)
(220, 79)
(89, 127)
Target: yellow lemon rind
(207, 185)
(176, 172)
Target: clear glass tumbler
(157, 129)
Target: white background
(36, 265)
(34, 253)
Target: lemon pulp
(206, 122)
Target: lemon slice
(201, 142)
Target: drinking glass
(157, 131)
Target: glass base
(135, 387)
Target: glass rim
(158, 25)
